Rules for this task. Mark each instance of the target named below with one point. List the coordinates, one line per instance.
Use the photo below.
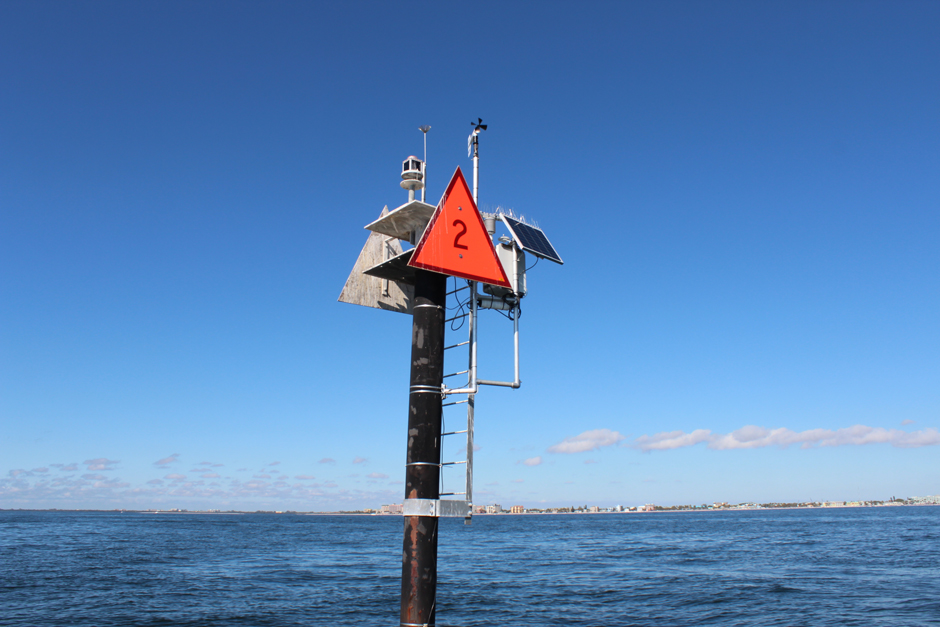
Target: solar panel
(531, 239)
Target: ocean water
(876, 566)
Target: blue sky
(745, 195)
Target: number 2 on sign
(457, 243)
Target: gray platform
(395, 269)
(401, 222)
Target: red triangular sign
(456, 241)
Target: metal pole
(476, 168)
(424, 131)
(471, 398)
(422, 470)
(515, 342)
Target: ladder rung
(456, 345)
(452, 463)
(454, 432)
(458, 316)
(454, 403)
(454, 374)
(453, 493)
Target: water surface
(872, 566)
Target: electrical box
(513, 261)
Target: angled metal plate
(395, 269)
(436, 508)
(401, 222)
(454, 509)
(372, 291)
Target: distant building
(494, 509)
(395, 508)
(517, 509)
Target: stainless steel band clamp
(435, 508)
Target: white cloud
(41, 470)
(70, 468)
(304, 477)
(906, 421)
(327, 460)
(587, 441)
(100, 463)
(377, 475)
(360, 460)
(670, 440)
(533, 461)
(752, 436)
(166, 461)
(29, 489)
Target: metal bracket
(473, 385)
(436, 508)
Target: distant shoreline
(359, 513)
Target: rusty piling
(422, 469)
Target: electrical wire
(459, 307)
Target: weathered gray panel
(370, 291)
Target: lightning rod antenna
(473, 145)
(424, 129)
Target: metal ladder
(461, 507)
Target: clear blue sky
(746, 195)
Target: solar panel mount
(531, 239)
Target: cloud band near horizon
(750, 437)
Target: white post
(476, 168)
(424, 130)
